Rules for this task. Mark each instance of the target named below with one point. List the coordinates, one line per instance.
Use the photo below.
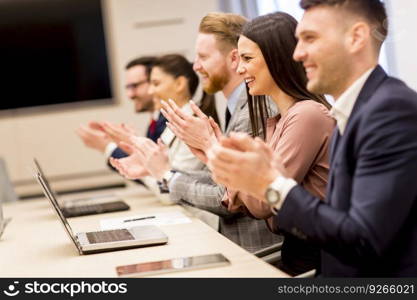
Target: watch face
(272, 196)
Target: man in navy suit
(137, 85)
(367, 225)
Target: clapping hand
(131, 167)
(199, 131)
(117, 132)
(154, 156)
(93, 138)
(242, 163)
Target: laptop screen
(45, 180)
(48, 193)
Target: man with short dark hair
(367, 225)
(137, 82)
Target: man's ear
(234, 59)
(359, 36)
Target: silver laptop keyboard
(109, 236)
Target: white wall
(403, 24)
(134, 28)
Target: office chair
(271, 254)
(308, 274)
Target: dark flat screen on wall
(52, 52)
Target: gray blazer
(197, 189)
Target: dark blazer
(159, 128)
(368, 224)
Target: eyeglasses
(135, 85)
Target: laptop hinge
(80, 251)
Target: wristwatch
(163, 184)
(272, 195)
(277, 192)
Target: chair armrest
(268, 250)
(308, 274)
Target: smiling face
(137, 86)
(323, 49)
(253, 68)
(163, 86)
(210, 63)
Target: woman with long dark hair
(299, 134)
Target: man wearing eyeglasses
(137, 84)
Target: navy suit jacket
(367, 225)
(159, 128)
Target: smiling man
(367, 225)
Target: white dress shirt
(343, 107)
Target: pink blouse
(301, 138)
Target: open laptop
(75, 209)
(108, 240)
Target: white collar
(343, 106)
(155, 115)
(234, 98)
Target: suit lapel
(243, 100)
(371, 84)
(333, 147)
(333, 144)
(161, 121)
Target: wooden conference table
(34, 243)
